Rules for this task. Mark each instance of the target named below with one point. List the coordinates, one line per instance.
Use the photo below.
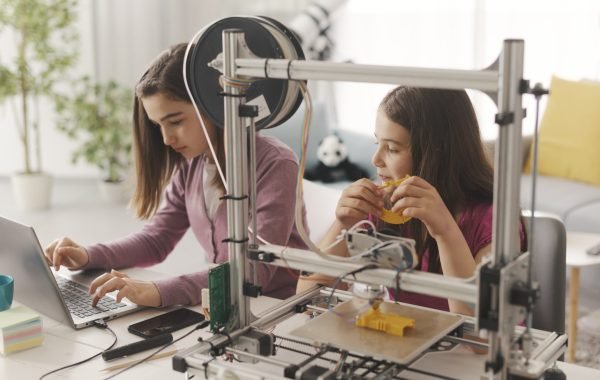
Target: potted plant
(45, 47)
(98, 115)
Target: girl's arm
(416, 198)
(457, 261)
(154, 242)
(356, 203)
(340, 249)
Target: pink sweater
(184, 207)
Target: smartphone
(165, 323)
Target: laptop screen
(22, 257)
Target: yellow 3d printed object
(389, 216)
(386, 322)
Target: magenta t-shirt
(475, 223)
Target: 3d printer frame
(507, 269)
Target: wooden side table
(577, 244)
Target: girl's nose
(169, 139)
(376, 160)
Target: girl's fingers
(111, 285)
(99, 281)
(365, 190)
(116, 273)
(417, 181)
(350, 213)
(407, 202)
(125, 292)
(361, 205)
(403, 191)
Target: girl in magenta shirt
(432, 135)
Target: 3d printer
(249, 73)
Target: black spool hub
(204, 80)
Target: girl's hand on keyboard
(66, 252)
(140, 292)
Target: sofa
(577, 204)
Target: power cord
(200, 326)
(101, 324)
(343, 276)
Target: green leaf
(46, 47)
(98, 115)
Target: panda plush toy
(334, 164)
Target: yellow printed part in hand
(393, 218)
(394, 182)
(387, 215)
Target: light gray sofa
(577, 204)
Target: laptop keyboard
(79, 301)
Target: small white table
(577, 244)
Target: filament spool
(266, 38)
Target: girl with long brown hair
(174, 163)
(433, 136)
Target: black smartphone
(165, 323)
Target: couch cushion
(320, 202)
(570, 132)
(558, 196)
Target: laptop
(37, 285)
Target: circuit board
(219, 296)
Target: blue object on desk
(7, 289)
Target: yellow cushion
(569, 135)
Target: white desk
(577, 243)
(64, 345)
(464, 365)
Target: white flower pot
(115, 192)
(32, 191)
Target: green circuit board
(219, 296)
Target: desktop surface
(64, 345)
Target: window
(561, 37)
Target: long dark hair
(155, 162)
(447, 152)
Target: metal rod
(268, 317)
(237, 183)
(485, 80)
(507, 176)
(264, 359)
(554, 350)
(252, 186)
(420, 282)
